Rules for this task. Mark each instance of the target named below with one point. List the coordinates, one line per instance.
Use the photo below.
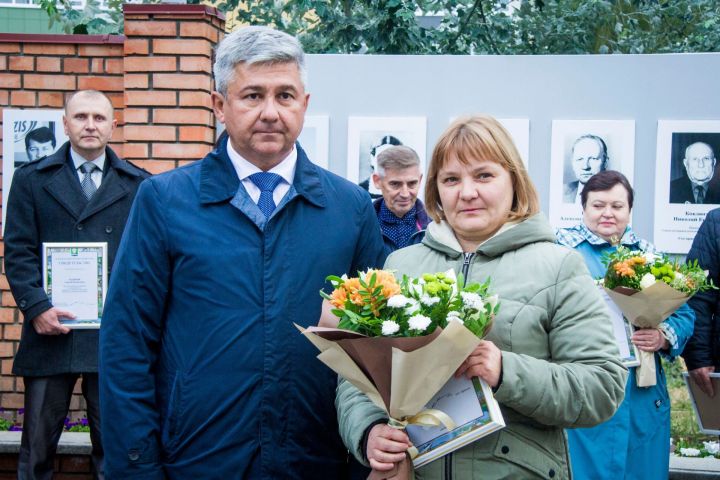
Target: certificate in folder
(471, 406)
(75, 279)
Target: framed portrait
(28, 135)
(75, 279)
(707, 409)
(315, 137)
(580, 149)
(687, 183)
(368, 136)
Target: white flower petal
(398, 301)
(690, 452)
(418, 322)
(389, 327)
(647, 280)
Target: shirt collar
(574, 236)
(388, 216)
(78, 159)
(286, 168)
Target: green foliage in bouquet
(639, 270)
(375, 304)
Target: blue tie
(266, 182)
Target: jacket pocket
(529, 457)
(172, 413)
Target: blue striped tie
(266, 182)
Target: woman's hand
(650, 340)
(484, 362)
(386, 446)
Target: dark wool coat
(46, 204)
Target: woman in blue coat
(635, 442)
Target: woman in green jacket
(550, 356)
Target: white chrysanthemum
(428, 300)
(649, 258)
(679, 277)
(712, 447)
(418, 322)
(706, 272)
(389, 327)
(492, 300)
(472, 300)
(397, 301)
(412, 306)
(647, 280)
(454, 316)
(690, 452)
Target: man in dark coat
(702, 352)
(82, 193)
(401, 214)
(699, 185)
(202, 368)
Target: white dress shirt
(96, 174)
(286, 169)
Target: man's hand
(48, 322)
(386, 446)
(484, 362)
(701, 377)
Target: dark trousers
(47, 401)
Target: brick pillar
(168, 80)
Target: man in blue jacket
(203, 374)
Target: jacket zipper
(465, 271)
(466, 266)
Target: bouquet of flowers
(375, 304)
(400, 342)
(648, 288)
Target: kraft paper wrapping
(400, 375)
(646, 309)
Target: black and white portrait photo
(368, 136)
(687, 180)
(33, 134)
(580, 149)
(693, 176)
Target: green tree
(462, 26)
(493, 26)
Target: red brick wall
(158, 77)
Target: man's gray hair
(251, 45)
(397, 157)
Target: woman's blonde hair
(481, 137)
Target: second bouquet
(400, 342)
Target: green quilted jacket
(560, 365)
